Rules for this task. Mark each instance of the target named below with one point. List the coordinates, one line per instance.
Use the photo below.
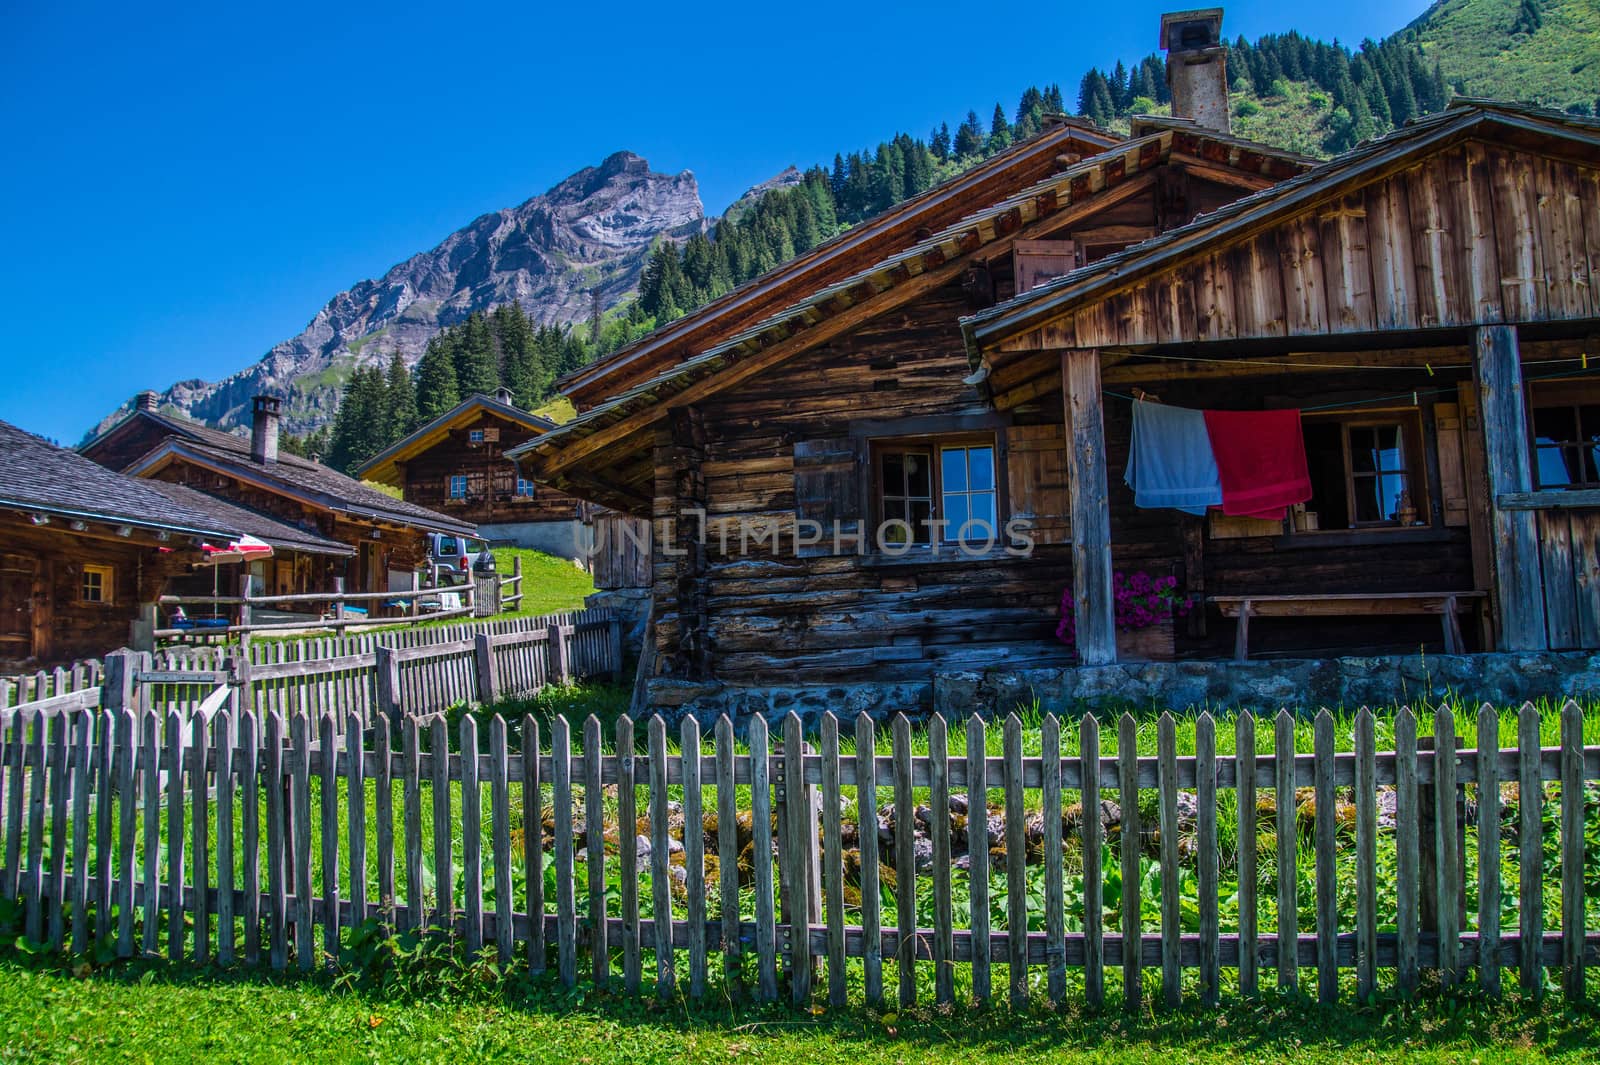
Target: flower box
(1154, 643)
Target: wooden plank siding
(1474, 234)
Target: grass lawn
(140, 1013)
(550, 585)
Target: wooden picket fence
(417, 671)
(250, 851)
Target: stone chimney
(1197, 66)
(145, 401)
(505, 395)
(264, 429)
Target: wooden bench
(1371, 604)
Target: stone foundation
(632, 605)
(1266, 686)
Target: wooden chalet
(384, 540)
(837, 392)
(457, 465)
(1428, 302)
(81, 547)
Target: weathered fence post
(614, 648)
(487, 671)
(388, 668)
(560, 672)
(121, 671)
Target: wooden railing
(232, 791)
(513, 601)
(244, 623)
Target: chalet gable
(312, 485)
(587, 453)
(1485, 213)
(384, 467)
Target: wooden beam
(1089, 507)
(1237, 179)
(1190, 368)
(1559, 499)
(1515, 532)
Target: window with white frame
(475, 436)
(458, 486)
(967, 491)
(524, 487)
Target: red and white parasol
(245, 549)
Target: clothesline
(1414, 394)
(1425, 367)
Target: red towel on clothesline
(1262, 459)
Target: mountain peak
(592, 230)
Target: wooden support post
(488, 673)
(244, 603)
(338, 605)
(1090, 508)
(1519, 593)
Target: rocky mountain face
(591, 232)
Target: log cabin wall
(775, 616)
(491, 477)
(780, 616)
(45, 617)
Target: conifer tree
(437, 390)
(476, 362)
(400, 400)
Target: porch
(1453, 508)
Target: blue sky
(186, 188)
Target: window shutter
(1036, 469)
(827, 488)
(1037, 261)
(1452, 473)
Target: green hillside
(1539, 51)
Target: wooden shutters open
(1037, 261)
(1452, 462)
(1036, 469)
(828, 489)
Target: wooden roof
(837, 258)
(308, 482)
(231, 515)
(602, 436)
(1485, 212)
(384, 467)
(39, 477)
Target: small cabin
(81, 547)
(456, 464)
(839, 497)
(348, 533)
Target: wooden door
(17, 576)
